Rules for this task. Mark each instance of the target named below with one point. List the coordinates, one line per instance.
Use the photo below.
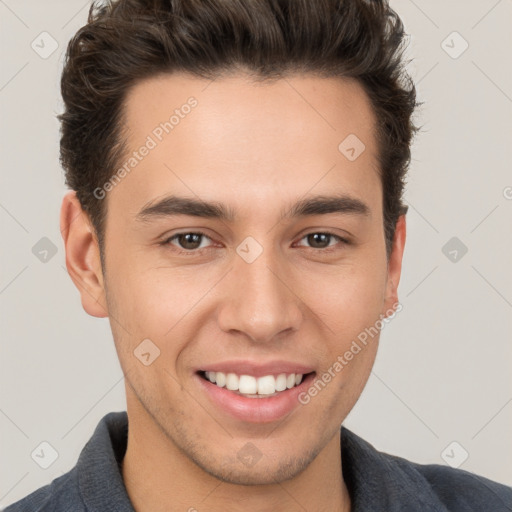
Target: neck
(160, 477)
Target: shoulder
(381, 481)
(462, 490)
(95, 478)
(61, 494)
(456, 489)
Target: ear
(395, 265)
(83, 255)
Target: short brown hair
(126, 41)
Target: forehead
(249, 141)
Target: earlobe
(395, 265)
(82, 255)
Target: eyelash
(193, 252)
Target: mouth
(250, 386)
(254, 399)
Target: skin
(257, 148)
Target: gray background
(443, 369)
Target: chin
(259, 474)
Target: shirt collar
(100, 480)
(383, 483)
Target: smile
(245, 402)
(254, 387)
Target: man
(237, 170)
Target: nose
(259, 300)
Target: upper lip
(257, 369)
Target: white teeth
(247, 384)
(281, 382)
(255, 386)
(220, 379)
(266, 385)
(232, 382)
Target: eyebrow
(317, 205)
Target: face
(278, 266)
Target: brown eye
(321, 240)
(190, 241)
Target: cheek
(347, 300)
(157, 302)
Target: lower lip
(255, 410)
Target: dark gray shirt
(377, 482)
